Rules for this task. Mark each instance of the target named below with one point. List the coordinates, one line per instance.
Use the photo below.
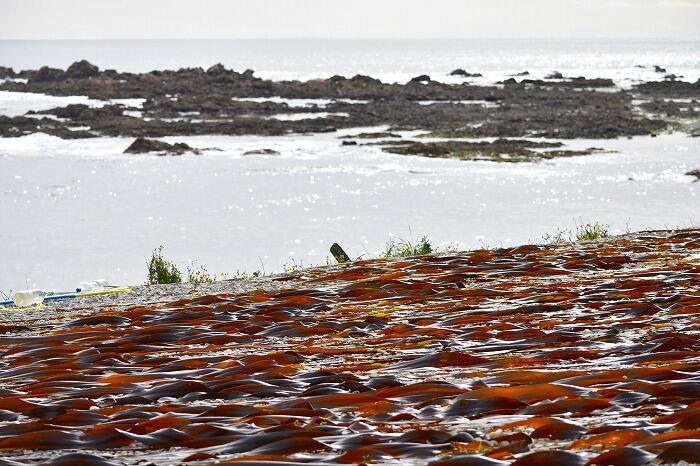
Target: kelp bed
(537, 355)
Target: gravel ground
(66, 309)
(55, 312)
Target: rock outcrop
(6, 73)
(82, 70)
(261, 152)
(422, 79)
(43, 75)
(144, 146)
(465, 74)
(192, 101)
(554, 75)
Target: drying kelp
(557, 354)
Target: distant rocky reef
(194, 101)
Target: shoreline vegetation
(164, 271)
(566, 353)
(160, 270)
(504, 118)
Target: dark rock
(349, 143)
(196, 70)
(377, 135)
(362, 79)
(45, 74)
(191, 101)
(6, 72)
(674, 109)
(82, 112)
(422, 79)
(695, 173)
(500, 150)
(143, 146)
(217, 70)
(21, 126)
(262, 152)
(670, 88)
(71, 111)
(579, 82)
(658, 69)
(180, 148)
(554, 75)
(672, 77)
(595, 82)
(466, 74)
(522, 73)
(82, 70)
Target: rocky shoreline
(220, 101)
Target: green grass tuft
(198, 274)
(592, 231)
(162, 271)
(584, 232)
(560, 236)
(403, 248)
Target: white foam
(137, 103)
(482, 103)
(19, 103)
(305, 116)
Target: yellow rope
(121, 289)
(30, 308)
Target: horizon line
(131, 39)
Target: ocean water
(389, 60)
(82, 210)
(76, 210)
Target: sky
(207, 19)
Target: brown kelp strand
(583, 354)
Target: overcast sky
(147, 19)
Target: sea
(80, 210)
(389, 60)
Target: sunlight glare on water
(79, 210)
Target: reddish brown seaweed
(585, 354)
